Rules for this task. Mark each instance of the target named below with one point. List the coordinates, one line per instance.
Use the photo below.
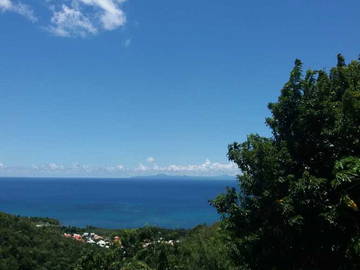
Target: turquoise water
(114, 203)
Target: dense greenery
(201, 248)
(24, 245)
(300, 189)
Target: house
(101, 243)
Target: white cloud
(141, 168)
(119, 167)
(74, 18)
(80, 167)
(111, 15)
(116, 168)
(206, 168)
(5, 4)
(150, 159)
(71, 22)
(19, 8)
(54, 167)
(86, 17)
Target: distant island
(185, 177)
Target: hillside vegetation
(37, 243)
(23, 245)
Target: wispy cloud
(74, 18)
(19, 8)
(206, 168)
(86, 17)
(127, 43)
(111, 16)
(150, 159)
(68, 22)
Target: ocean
(114, 203)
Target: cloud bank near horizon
(150, 167)
(73, 18)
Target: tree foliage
(299, 199)
(25, 246)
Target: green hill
(39, 243)
(35, 243)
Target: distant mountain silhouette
(185, 177)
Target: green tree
(297, 207)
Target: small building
(101, 243)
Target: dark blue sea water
(114, 203)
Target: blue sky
(118, 88)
